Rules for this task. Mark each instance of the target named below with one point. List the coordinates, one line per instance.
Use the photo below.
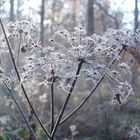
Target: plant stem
(20, 110)
(18, 53)
(21, 84)
(85, 100)
(52, 106)
(67, 99)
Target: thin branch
(20, 110)
(19, 47)
(52, 106)
(21, 84)
(67, 99)
(136, 14)
(85, 100)
(107, 13)
(101, 7)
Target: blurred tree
(113, 19)
(42, 14)
(102, 20)
(52, 16)
(136, 15)
(90, 17)
(74, 7)
(11, 12)
(18, 11)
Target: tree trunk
(19, 3)
(103, 22)
(42, 14)
(74, 6)
(90, 17)
(53, 15)
(136, 14)
(116, 23)
(12, 16)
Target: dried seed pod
(117, 97)
(23, 49)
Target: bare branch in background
(136, 16)
(12, 15)
(108, 14)
(42, 15)
(90, 17)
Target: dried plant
(68, 56)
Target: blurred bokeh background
(100, 118)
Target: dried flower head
(58, 61)
(20, 28)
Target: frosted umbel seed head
(66, 50)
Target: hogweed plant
(58, 65)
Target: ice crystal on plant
(3, 48)
(73, 129)
(8, 82)
(43, 98)
(135, 132)
(21, 32)
(93, 75)
(58, 61)
(125, 67)
(19, 28)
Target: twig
(67, 100)
(20, 110)
(21, 84)
(18, 53)
(52, 106)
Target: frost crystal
(18, 28)
(58, 61)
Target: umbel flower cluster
(21, 32)
(58, 61)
